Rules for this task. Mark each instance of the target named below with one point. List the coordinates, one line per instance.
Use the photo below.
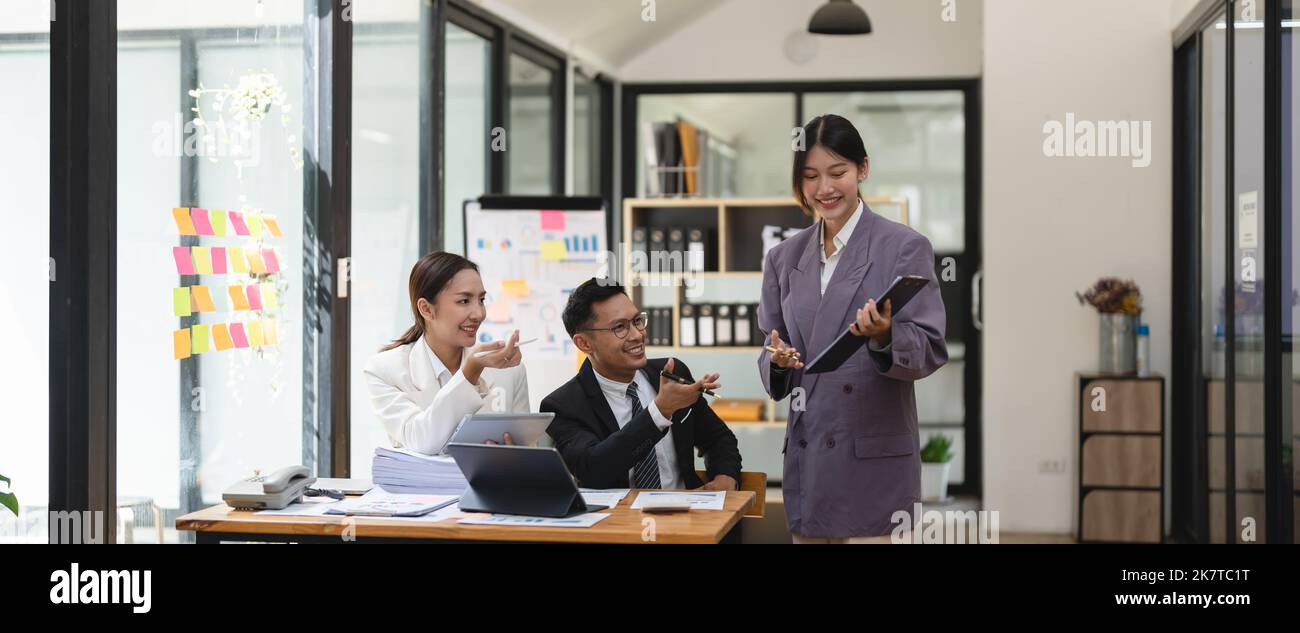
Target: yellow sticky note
(272, 225)
(203, 299)
(554, 249)
(255, 337)
(268, 296)
(183, 222)
(238, 263)
(218, 220)
(202, 260)
(254, 223)
(221, 337)
(199, 339)
(181, 302)
(515, 287)
(255, 262)
(237, 299)
(270, 332)
(181, 344)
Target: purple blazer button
(848, 388)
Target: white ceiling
(611, 30)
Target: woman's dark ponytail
(428, 277)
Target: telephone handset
(270, 492)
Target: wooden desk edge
(222, 519)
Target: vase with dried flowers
(1119, 302)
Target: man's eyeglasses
(620, 329)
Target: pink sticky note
(218, 260)
(272, 264)
(254, 293)
(184, 265)
(202, 225)
(552, 220)
(237, 335)
(237, 221)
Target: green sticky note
(218, 219)
(198, 339)
(181, 302)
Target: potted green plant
(1119, 303)
(7, 499)
(936, 461)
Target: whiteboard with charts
(532, 253)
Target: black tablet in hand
(899, 294)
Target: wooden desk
(223, 523)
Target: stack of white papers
(701, 500)
(402, 471)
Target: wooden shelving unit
(1121, 459)
(731, 226)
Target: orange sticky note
(255, 262)
(255, 338)
(238, 263)
(202, 260)
(515, 287)
(237, 299)
(184, 224)
(181, 344)
(221, 337)
(272, 225)
(270, 332)
(199, 339)
(202, 299)
(268, 296)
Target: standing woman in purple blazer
(852, 454)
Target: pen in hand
(682, 381)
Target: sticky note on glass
(270, 332)
(218, 260)
(184, 225)
(554, 250)
(218, 221)
(254, 223)
(201, 223)
(199, 339)
(181, 344)
(255, 338)
(272, 226)
(238, 262)
(237, 299)
(221, 340)
(202, 259)
(254, 294)
(552, 220)
(237, 223)
(237, 335)
(184, 265)
(272, 262)
(255, 262)
(202, 299)
(498, 312)
(515, 287)
(181, 302)
(268, 296)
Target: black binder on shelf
(640, 264)
(706, 326)
(742, 326)
(677, 248)
(686, 326)
(658, 243)
(724, 329)
(695, 252)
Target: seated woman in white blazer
(423, 383)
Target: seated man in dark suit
(618, 423)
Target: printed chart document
(579, 521)
(381, 503)
(608, 498)
(309, 507)
(703, 500)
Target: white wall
(1054, 225)
(744, 40)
